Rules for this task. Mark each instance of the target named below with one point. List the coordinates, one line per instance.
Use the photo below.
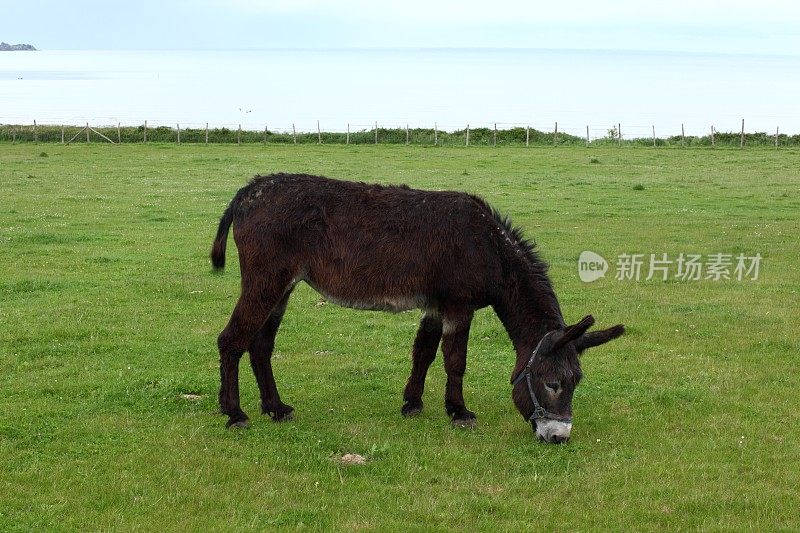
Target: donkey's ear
(574, 331)
(548, 342)
(596, 338)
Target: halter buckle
(538, 412)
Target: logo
(663, 267)
(591, 266)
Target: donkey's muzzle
(553, 431)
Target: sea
(337, 89)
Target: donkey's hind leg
(427, 341)
(251, 312)
(261, 360)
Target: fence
(484, 135)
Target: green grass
(110, 313)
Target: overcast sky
(724, 26)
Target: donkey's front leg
(428, 336)
(454, 347)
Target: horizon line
(424, 49)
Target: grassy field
(110, 313)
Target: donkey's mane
(521, 248)
(527, 246)
(516, 237)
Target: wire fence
(495, 134)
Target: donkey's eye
(553, 385)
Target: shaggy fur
(388, 248)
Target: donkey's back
(362, 245)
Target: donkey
(393, 248)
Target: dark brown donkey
(392, 249)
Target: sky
(710, 26)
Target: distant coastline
(5, 47)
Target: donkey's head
(543, 388)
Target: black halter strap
(539, 412)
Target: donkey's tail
(221, 240)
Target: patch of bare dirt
(351, 459)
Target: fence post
(741, 142)
(239, 135)
(319, 134)
(294, 134)
(619, 134)
(145, 131)
(348, 134)
(407, 137)
(179, 133)
(376, 132)
(587, 135)
(527, 136)
(206, 132)
(435, 134)
(776, 135)
(119, 134)
(555, 135)
(265, 134)
(712, 136)
(62, 134)
(654, 135)
(87, 133)
(683, 136)
(35, 133)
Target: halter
(539, 412)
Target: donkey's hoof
(238, 424)
(410, 409)
(467, 423)
(284, 414)
(461, 417)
